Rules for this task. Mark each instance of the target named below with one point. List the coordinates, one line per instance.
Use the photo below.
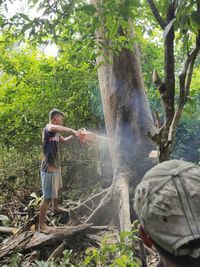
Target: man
(167, 202)
(50, 166)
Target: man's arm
(59, 128)
(65, 140)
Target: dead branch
(17, 241)
(101, 215)
(95, 238)
(99, 228)
(88, 206)
(8, 230)
(57, 252)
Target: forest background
(32, 83)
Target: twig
(57, 252)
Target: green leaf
(195, 17)
(33, 195)
(26, 27)
(88, 9)
(4, 218)
(24, 16)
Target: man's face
(58, 120)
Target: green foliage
(195, 18)
(31, 84)
(15, 259)
(185, 23)
(35, 201)
(4, 220)
(109, 254)
(187, 143)
(119, 254)
(75, 22)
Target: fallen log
(57, 234)
(17, 241)
(29, 240)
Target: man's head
(167, 202)
(56, 116)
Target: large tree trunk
(128, 120)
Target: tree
(127, 117)
(122, 89)
(182, 16)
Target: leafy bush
(109, 254)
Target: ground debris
(69, 232)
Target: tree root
(114, 206)
(102, 214)
(86, 208)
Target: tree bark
(165, 148)
(128, 120)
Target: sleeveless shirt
(50, 150)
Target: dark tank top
(50, 150)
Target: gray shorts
(51, 183)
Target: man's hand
(86, 136)
(73, 132)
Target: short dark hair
(54, 112)
(181, 261)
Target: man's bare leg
(43, 228)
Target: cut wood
(8, 230)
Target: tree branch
(157, 81)
(156, 14)
(185, 79)
(186, 75)
(193, 57)
(168, 96)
